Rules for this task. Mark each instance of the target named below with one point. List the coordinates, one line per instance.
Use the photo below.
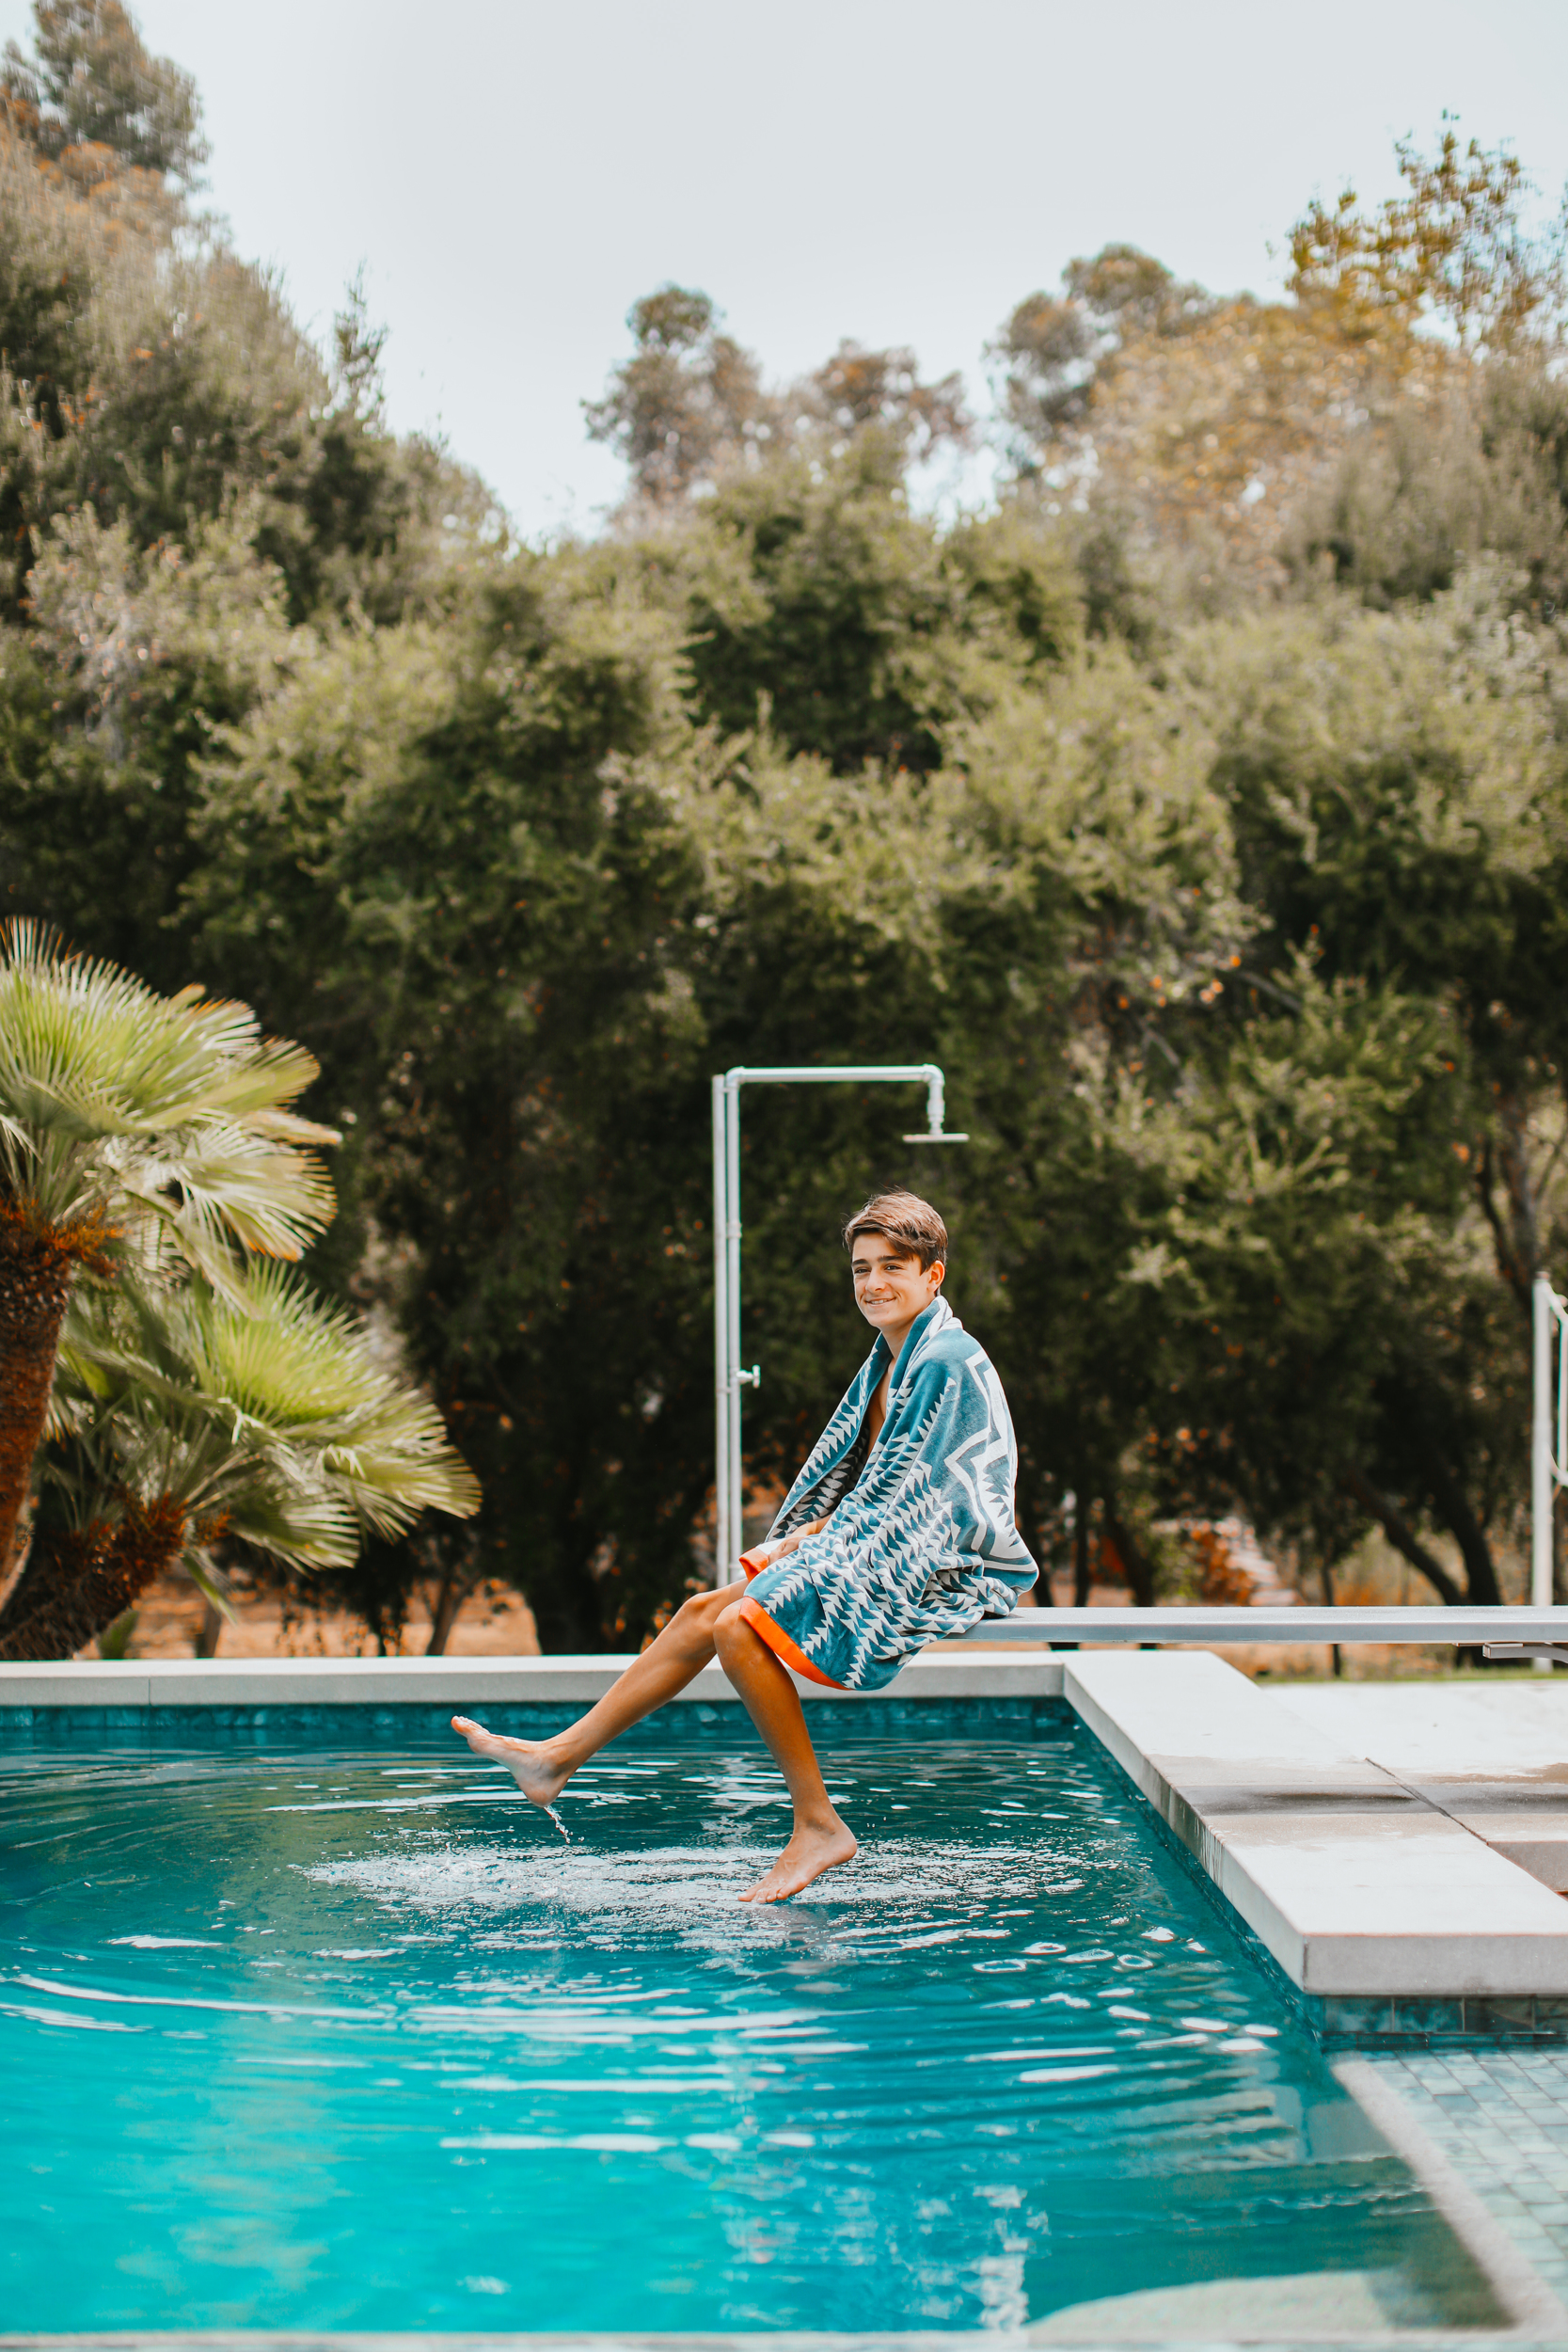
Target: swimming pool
(300, 2035)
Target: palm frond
(87, 1046)
(258, 1403)
(204, 1577)
(308, 1369)
(216, 1183)
(175, 1107)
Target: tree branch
(1454, 1505)
(1508, 1265)
(1402, 1536)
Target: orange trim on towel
(788, 1653)
(754, 1563)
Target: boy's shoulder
(948, 1351)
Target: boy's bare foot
(809, 1854)
(538, 1774)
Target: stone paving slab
(1507, 1727)
(1493, 1758)
(1359, 1886)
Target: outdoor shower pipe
(729, 1377)
(1548, 1448)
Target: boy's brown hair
(904, 1218)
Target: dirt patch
(169, 1617)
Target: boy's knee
(729, 1621)
(698, 1618)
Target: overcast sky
(514, 173)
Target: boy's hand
(787, 1544)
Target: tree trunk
(1454, 1505)
(1139, 1574)
(35, 1283)
(457, 1582)
(1335, 1663)
(568, 1609)
(78, 1580)
(1081, 1509)
(1402, 1536)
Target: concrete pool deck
(1492, 1757)
(1397, 1849)
(1392, 1917)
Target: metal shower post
(729, 1376)
(1549, 1449)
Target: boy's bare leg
(542, 1768)
(820, 1841)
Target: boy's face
(890, 1288)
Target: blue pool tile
(1353, 2021)
(1499, 2017)
(1430, 2018)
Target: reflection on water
(318, 2040)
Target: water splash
(559, 1822)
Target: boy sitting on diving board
(898, 1532)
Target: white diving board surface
(1463, 1627)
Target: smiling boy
(898, 1532)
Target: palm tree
(182, 1413)
(137, 1131)
(182, 1388)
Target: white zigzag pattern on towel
(925, 1544)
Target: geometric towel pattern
(922, 1542)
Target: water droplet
(559, 1822)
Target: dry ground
(494, 1623)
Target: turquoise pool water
(315, 2037)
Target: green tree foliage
(815, 595)
(689, 408)
(1454, 247)
(1201, 807)
(1052, 350)
(91, 83)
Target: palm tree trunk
(35, 1266)
(77, 1580)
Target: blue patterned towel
(921, 1541)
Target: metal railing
(730, 1377)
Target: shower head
(934, 1111)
